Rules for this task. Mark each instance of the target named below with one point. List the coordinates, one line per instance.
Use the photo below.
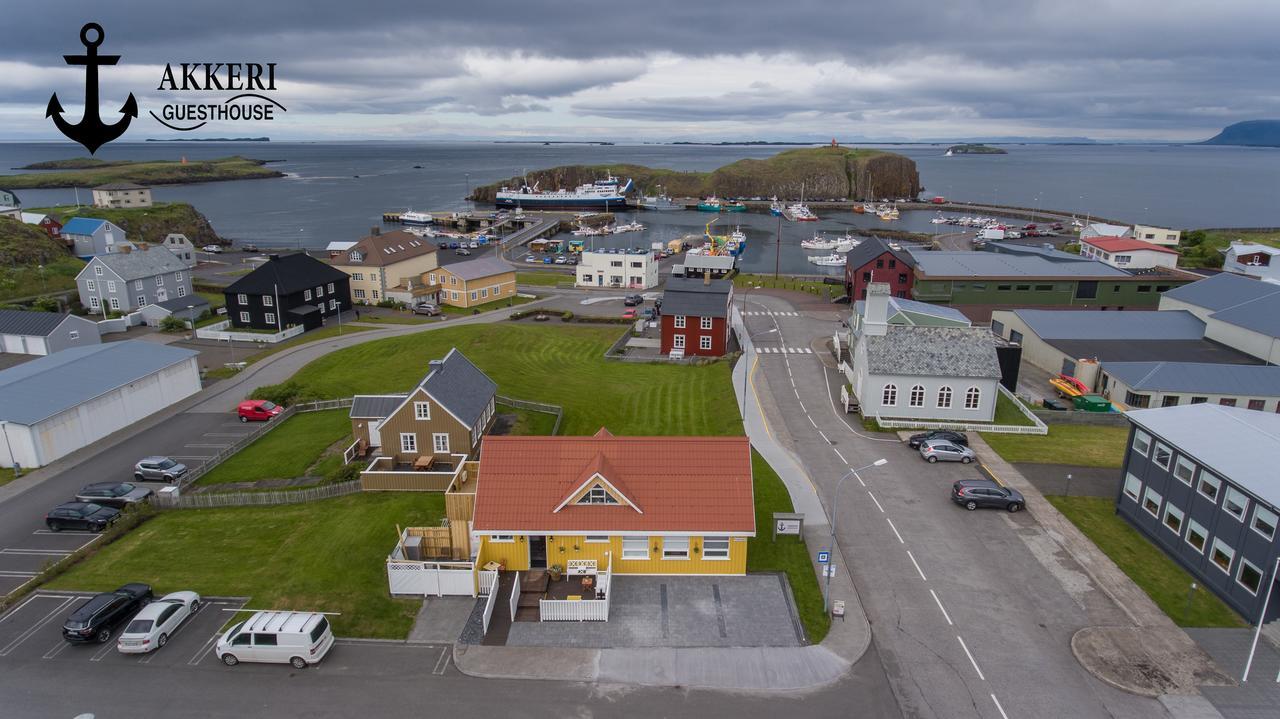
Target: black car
(113, 494)
(974, 493)
(97, 618)
(633, 300)
(952, 437)
(80, 515)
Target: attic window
(597, 495)
(357, 257)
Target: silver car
(158, 469)
(940, 450)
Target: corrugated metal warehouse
(54, 405)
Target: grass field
(1201, 248)
(788, 554)
(1008, 413)
(397, 319)
(815, 287)
(1078, 444)
(560, 364)
(155, 172)
(495, 305)
(528, 422)
(216, 300)
(322, 556)
(327, 332)
(284, 452)
(543, 279)
(1149, 567)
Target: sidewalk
(1152, 656)
(771, 669)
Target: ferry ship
(416, 219)
(607, 194)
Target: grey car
(158, 469)
(113, 494)
(974, 493)
(941, 450)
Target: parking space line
(204, 649)
(56, 649)
(13, 612)
(972, 661)
(895, 530)
(873, 499)
(442, 663)
(944, 609)
(36, 627)
(918, 569)
(107, 646)
(35, 552)
(16, 575)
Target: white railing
(581, 610)
(488, 581)
(1039, 427)
(218, 331)
(349, 455)
(454, 579)
(488, 610)
(515, 597)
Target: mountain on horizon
(1250, 133)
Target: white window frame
(714, 555)
(944, 397)
(244, 317)
(1244, 504)
(422, 410)
(73, 335)
(408, 442)
(677, 342)
(597, 539)
(320, 291)
(359, 294)
(1141, 442)
(93, 302)
(1182, 463)
(484, 292)
(679, 321)
(1213, 481)
(137, 285)
(1259, 509)
(631, 552)
(916, 397)
(177, 277)
(1132, 487)
(973, 398)
(270, 318)
(159, 280)
(1227, 550)
(333, 304)
(115, 303)
(242, 299)
(889, 395)
(1194, 527)
(182, 291)
(1155, 456)
(474, 295)
(142, 300)
(111, 285)
(671, 549)
(440, 442)
(1170, 509)
(1147, 497)
(330, 288)
(91, 285)
(502, 538)
(268, 301)
(1240, 570)
(706, 322)
(704, 342)
(97, 270)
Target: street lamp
(1261, 618)
(835, 496)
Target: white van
(297, 638)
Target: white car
(151, 628)
(212, 249)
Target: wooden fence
(205, 500)
(557, 410)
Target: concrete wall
(598, 269)
(1262, 346)
(1034, 350)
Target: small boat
(659, 203)
(409, 217)
(799, 212)
(847, 243)
(628, 227)
(868, 208)
(733, 206)
(859, 210)
(948, 153)
(711, 204)
(818, 242)
(939, 220)
(775, 207)
(832, 260)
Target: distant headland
(975, 149)
(91, 172)
(210, 139)
(1250, 133)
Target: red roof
(677, 484)
(1124, 244)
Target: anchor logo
(91, 131)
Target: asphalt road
(972, 611)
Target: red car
(939, 200)
(258, 410)
(629, 315)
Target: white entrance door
(375, 438)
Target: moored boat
(604, 194)
(832, 260)
(416, 219)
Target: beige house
(474, 282)
(121, 194)
(381, 263)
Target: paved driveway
(751, 611)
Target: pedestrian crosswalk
(771, 314)
(784, 350)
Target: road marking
(873, 499)
(815, 424)
(107, 646)
(56, 649)
(997, 701)
(793, 389)
(823, 435)
(967, 653)
(226, 434)
(442, 663)
(36, 552)
(219, 446)
(858, 477)
(944, 609)
(13, 612)
(895, 530)
(7, 573)
(918, 569)
(36, 627)
(204, 649)
(841, 456)
(68, 532)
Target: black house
(288, 290)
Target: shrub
(343, 473)
(45, 304)
(391, 304)
(173, 324)
(566, 317)
(283, 394)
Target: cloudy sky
(664, 69)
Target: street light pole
(1261, 618)
(746, 361)
(835, 497)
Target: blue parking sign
(824, 557)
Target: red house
(48, 223)
(695, 317)
(873, 260)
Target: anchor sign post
(91, 131)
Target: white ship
(832, 260)
(607, 194)
(416, 219)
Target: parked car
(258, 410)
(158, 469)
(633, 300)
(462, 251)
(113, 494)
(953, 437)
(249, 248)
(561, 259)
(934, 450)
(98, 617)
(649, 313)
(473, 244)
(453, 245)
(151, 628)
(546, 260)
(297, 638)
(80, 515)
(629, 315)
(212, 249)
(530, 259)
(427, 309)
(974, 493)
(442, 245)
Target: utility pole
(777, 252)
(835, 496)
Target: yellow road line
(994, 478)
(751, 378)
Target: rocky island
(823, 173)
(90, 172)
(975, 149)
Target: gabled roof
(597, 473)
(374, 406)
(82, 226)
(1128, 325)
(871, 248)
(460, 387)
(286, 274)
(1198, 377)
(966, 352)
(47, 385)
(140, 264)
(21, 322)
(120, 186)
(1125, 244)
(35, 218)
(478, 268)
(386, 249)
(1239, 444)
(1221, 291)
(996, 265)
(1240, 248)
(689, 485)
(696, 298)
(1102, 229)
(900, 305)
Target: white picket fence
(1038, 426)
(515, 597)
(218, 331)
(580, 610)
(209, 500)
(487, 582)
(488, 609)
(407, 577)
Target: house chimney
(875, 310)
(375, 231)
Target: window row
(439, 442)
(1207, 485)
(704, 342)
(915, 398)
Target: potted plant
(554, 572)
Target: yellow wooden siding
(515, 556)
(459, 506)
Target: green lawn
(1078, 444)
(1202, 248)
(543, 279)
(1008, 413)
(322, 556)
(216, 300)
(555, 363)
(1149, 567)
(7, 475)
(284, 452)
(788, 554)
(529, 422)
(57, 276)
(404, 319)
(495, 305)
(327, 332)
(801, 284)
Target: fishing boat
(659, 203)
(859, 210)
(775, 207)
(832, 260)
(818, 242)
(887, 212)
(939, 220)
(733, 206)
(600, 194)
(799, 212)
(711, 204)
(628, 227)
(868, 208)
(847, 243)
(416, 219)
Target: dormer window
(356, 257)
(597, 495)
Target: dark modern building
(695, 317)
(1199, 481)
(288, 290)
(875, 260)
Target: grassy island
(89, 172)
